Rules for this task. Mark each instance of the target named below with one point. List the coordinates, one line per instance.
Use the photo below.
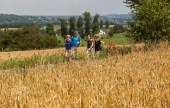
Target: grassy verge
(119, 38)
(38, 60)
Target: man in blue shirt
(76, 39)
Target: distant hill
(117, 16)
(11, 18)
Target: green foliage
(101, 24)
(1, 33)
(38, 60)
(16, 21)
(111, 33)
(80, 25)
(63, 27)
(58, 32)
(107, 24)
(118, 28)
(25, 39)
(151, 20)
(21, 24)
(36, 27)
(50, 29)
(72, 21)
(5, 18)
(133, 3)
(119, 38)
(95, 27)
(87, 18)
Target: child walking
(90, 47)
(68, 50)
(98, 45)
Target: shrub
(27, 38)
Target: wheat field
(136, 80)
(25, 54)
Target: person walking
(76, 39)
(98, 45)
(68, 49)
(90, 46)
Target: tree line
(21, 24)
(84, 26)
(27, 38)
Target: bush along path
(38, 60)
(54, 59)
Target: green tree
(80, 25)
(151, 19)
(72, 21)
(50, 29)
(63, 27)
(111, 33)
(25, 39)
(1, 32)
(101, 24)
(118, 28)
(87, 18)
(36, 27)
(107, 24)
(95, 27)
(133, 3)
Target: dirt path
(26, 54)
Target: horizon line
(61, 15)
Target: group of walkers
(73, 43)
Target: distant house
(104, 31)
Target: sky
(62, 7)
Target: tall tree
(118, 28)
(80, 25)
(111, 33)
(151, 20)
(95, 27)
(87, 18)
(107, 24)
(36, 27)
(63, 27)
(50, 29)
(101, 24)
(72, 21)
(132, 3)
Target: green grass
(38, 60)
(61, 39)
(32, 62)
(119, 38)
(56, 27)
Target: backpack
(70, 41)
(78, 38)
(94, 43)
(73, 38)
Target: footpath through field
(25, 54)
